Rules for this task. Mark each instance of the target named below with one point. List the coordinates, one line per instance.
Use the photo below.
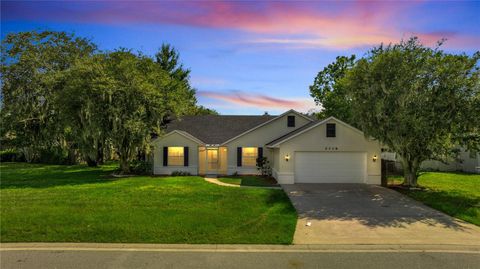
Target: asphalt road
(119, 259)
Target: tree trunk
(100, 155)
(410, 170)
(124, 167)
(90, 162)
(72, 158)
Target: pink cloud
(258, 100)
(337, 25)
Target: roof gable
(306, 128)
(267, 122)
(182, 133)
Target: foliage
(263, 165)
(84, 105)
(63, 99)
(11, 155)
(180, 174)
(331, 95)
(201, 110)
(415, 100)
(168, 60)
(32, 63)
(140, 167)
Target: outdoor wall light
(374, 158)
(287, 157)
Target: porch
(212, 160)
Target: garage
(330, 167)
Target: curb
(472, 249)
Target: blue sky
(251, 57)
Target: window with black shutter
(331, 132)
(291, 121)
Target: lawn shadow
(454, 203)
(45, 176)
(372, 206)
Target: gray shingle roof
(216, 129)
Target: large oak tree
(418, 101)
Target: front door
(212, 160)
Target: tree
(140, 89)
(31, 65)
(329, 94)
(85, 99)
(201, 110)
(168, 58)
(416, 100)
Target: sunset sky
(251, 57)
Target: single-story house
(300, 149)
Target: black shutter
(260, 152)
(165, 156)
(239, 156)
(185, 156)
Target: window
(291, 121)
(473, 154)
(331, 130)
(249, 156)
(175, 156)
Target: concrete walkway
(367, 214)
(218, 182)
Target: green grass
(456, 194)
(52, 203)
(250, 181)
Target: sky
(251, 57)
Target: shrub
(11, 155)
(180, 174)
(263, 165)
(140, 167)
(54, 155)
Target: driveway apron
(370, 214)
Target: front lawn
(52, 203)
(456, 194)
(250, 181)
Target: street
(242, 257)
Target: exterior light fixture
(287, 157)
(375, 158)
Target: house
(299, 148)
(465, 161)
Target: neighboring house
(299, 149)
(466, 161)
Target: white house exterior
(299, 149)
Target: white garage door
(330, 167)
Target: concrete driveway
(367, 214)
